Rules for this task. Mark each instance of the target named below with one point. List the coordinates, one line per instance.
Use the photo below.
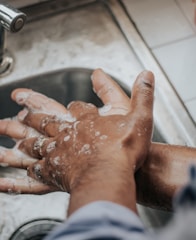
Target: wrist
(109, 184)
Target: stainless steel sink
(54, 54)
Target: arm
(164, 172)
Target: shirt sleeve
(101, 220)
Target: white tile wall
(179, 62)
(169, 30)
(159, 21)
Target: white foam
(103, 137)
(51, 146)
(57, 160)
(105, 109)
(97, 133)
(85, 149)
(66, 138)
(64, 126)
(22, 96)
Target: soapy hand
(81, 138)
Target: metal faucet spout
(13, 21)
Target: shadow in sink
(65, 86)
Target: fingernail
(99, 73)
(147, 78)
(21, 97)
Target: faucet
(12, 20)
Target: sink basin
(64, 86)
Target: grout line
(183, 12)
(173, 42)
(190, 100)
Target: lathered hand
(83, 133)
(14, 128)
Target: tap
(12, 20)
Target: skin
(81, 147)
(162, 174)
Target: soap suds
(85, 149)
(51, 146)
(22, 96)
(103, 137)
(105, 109)
(37, 170)
(57, 160)
(66, 138)
(75, 125)
(97, 133)
(38, 144)
(64, 126)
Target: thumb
(143, 95)
(141, 117)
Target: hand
(121, 104)
(15, 129)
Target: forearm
(163, 173)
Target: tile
(187, 7)
(178, 60)
(191, 106)
(159, 22)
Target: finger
(14, 158)
(37, 147)
(15, 129)
(25, 185)
(140, 118)
(46, 124)
(41, 173)
(37, 102)
(78, 109)
(111, 94)
(142, 107)
(143, 93)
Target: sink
(57, 60)
(64, 86)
